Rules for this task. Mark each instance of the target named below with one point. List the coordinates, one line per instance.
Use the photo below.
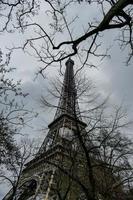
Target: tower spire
(68, 100)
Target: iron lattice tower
(38, 178)
(67, 110)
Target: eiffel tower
(45, 176)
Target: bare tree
(100, 165)
(13, 114)
(48, 42)
(15, 164)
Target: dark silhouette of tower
(45, 176)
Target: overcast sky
(111, 77)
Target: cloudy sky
(111, 76)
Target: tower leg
(49, 186)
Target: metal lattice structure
(68, 103)
(67, 111)
(60, 139)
